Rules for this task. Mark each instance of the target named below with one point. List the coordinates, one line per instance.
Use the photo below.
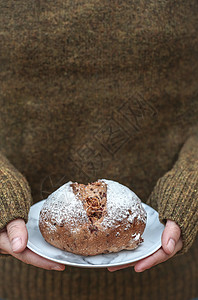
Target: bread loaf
(100, 217)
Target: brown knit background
(98, 89)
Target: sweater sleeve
(15, 195)
(175, 195)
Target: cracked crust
(92, 237)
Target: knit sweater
(96, 89)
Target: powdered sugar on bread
(122, 204)
(62, 206)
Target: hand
(171, 244)
(13, 241)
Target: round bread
(100, 217)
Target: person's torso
(97, 90)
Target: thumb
(17, 234)
(170, 236)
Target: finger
(156, 258)
(3, 235)
(112, 269)
(170, 236)
(148, 262)
(17, 234)
(4, 242)
(3, 252)
(29, 257)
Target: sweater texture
(100, 89)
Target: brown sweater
(100, 89)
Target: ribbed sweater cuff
(15, 196)
(176, 194)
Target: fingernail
(16, 243)
(171, 245)
(138, 269)
(58, 268)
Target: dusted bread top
(104, 201)
(122, 203)
(100, 217)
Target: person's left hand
(171, 244)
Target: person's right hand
(13, 241)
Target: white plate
(151, 236)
